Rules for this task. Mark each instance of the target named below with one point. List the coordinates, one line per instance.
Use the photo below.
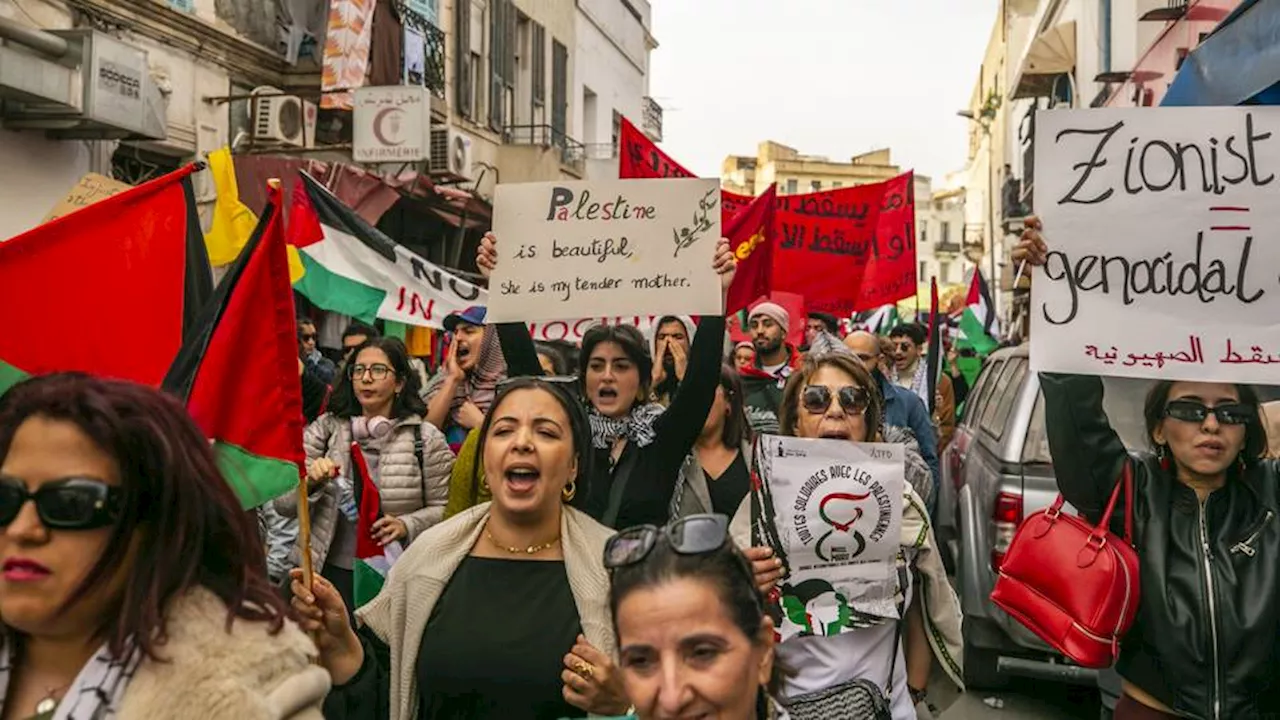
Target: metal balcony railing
(573, 154)
(651, 120)
(601, 151)
(435, 59)
(947, 248)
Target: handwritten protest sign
(611, 248)
(1161, 225)
(832, 510)
(91, 188)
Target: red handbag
(1072, 584)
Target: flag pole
(304, 531)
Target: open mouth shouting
(522, 477)
(607, 396)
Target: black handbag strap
(621, 477)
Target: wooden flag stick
(304, 531)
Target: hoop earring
(570, 490)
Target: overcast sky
(827, 77)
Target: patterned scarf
(481, 384)
(636, 427)
(919, 381)
(97, 690)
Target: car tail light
(1006, 516)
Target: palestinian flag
(239, 372)
(978, 325)
(110, 289)
(354, 269)
(879, 321)
(373, 561)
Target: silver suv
(997, 471)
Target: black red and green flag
(373, 560)
(238, 371)
(111, 289)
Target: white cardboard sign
(618, 247)
(1163, 226)
(837, 510)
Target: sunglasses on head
(817, 398)
(692, 535)
(1193, 411)
(70, 504)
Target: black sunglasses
(692, 535)
(569, 380)
(1192, 411)
(306, 337)
(70, 504)
(817, 398)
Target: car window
(981, 392)
(996, 414)
(1122, 400)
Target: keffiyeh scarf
(96, 692)
(636, 426)
(481, 385)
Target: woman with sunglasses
(716, 477)
(694, 636)
(376, 405)
(833, 396)
(133, 584)
(499, 613)
(1206, 525)
(639, 447)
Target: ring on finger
(584, 669)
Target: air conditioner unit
(278, 118)
(451, 152)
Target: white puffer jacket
(415, 494)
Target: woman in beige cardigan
(132, 585)
(500, 612)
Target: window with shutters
(539, 67)
(559, 91)
(502, 62)
(463, 66)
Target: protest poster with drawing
(617, 247)
(1163, 256)
(832, 511)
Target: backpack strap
(420, 452)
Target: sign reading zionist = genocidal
(1164, 243)
(833, 513)
(620, 247)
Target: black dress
(728, 490)
(648, 474)
(486, 654)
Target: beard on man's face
(766, 344)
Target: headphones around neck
(370, 428)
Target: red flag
(109, 289)
(862, 238)
(239, 373)
(748, 234)
(639, 158)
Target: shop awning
(1239, 63)
(1051, 53)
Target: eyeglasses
(817, 398)
(691, 535)
(377, 371)
(1192, 411)
(71, 504)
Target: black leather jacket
(1206, 641)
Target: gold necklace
(531, 550)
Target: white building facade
(166, 58)
(613, 43)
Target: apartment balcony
(434, 70)
(651, 119)
(571, 154)
(600, 151)
(947, 248)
